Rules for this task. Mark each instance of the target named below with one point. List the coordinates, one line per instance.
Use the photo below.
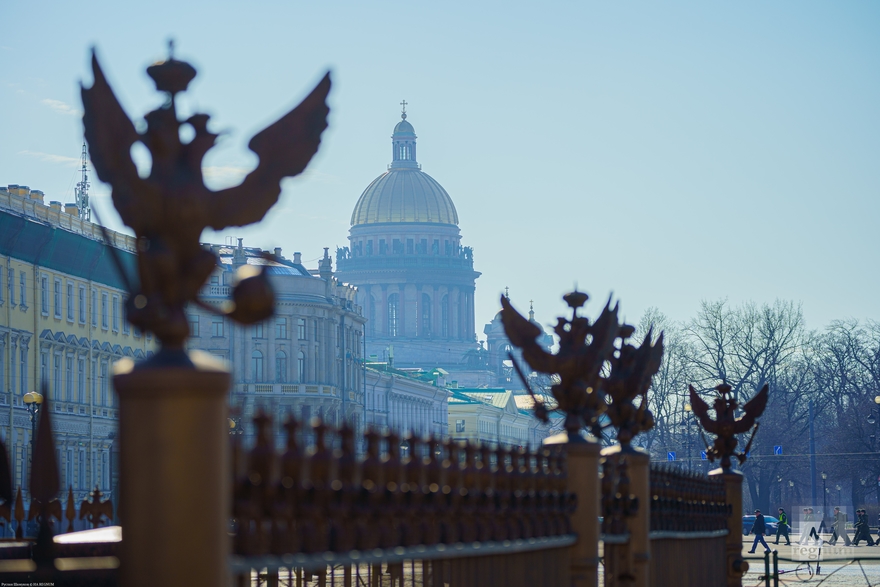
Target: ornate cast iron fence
(446, 513)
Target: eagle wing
(110, 134)
(701, 410)
(284, 149)
(753, 409)
(524, 334)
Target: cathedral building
(415, 279)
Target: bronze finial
(169, 209)
(726, 425)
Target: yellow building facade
(62, 323)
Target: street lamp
(235, 426)
(687, 421)
(33, 400)
(874, 418)
(838, 495)
(824, 496)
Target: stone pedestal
(736, 566)
(639, 526)
(582, 457)
(174, 471)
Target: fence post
(639, 469)
(174, 479)
(582, 463)
(736, 566)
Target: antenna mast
(82, 189)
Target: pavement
(837, 566)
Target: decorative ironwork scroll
(169, 209)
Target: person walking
(809, 530)
(838, 528)
(782, 527)
(759, 528)
(863, 531)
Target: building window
(44, 295)
(258, 330)
(94, 308)
(301, 328)
(301, 366)
(69, 301)
(57, 297)
(105, 384)
(257, 366)
(193, 325)
(281, 328)
(56, 375)
(426, 315)
(81, 381)
(22, 288)
(94, 382)
(459, 425)
(444, 316)
(82, 304)
(44, 367)
(69, 383)
(82, 470)
(317, 331)
(126, 327)
(393, 309)
(217, 326)
(409, 246)
(280, 367)
(105, 311)
(23, 373)
(115, 313)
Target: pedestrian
(809, 530)
(782, 527)
(838, 528)
(759, 528)
(863, 531)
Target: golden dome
(404, 195)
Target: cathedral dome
(404, 193)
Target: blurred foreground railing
(446, 513)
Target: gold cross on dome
(403, 105)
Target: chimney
(325, 271)
(278, 252)
(71, 208)
(297, 258)
(54, 204)
(238, 256)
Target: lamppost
(687, 421)
(824, 497)
(235, 426)
(33, 400)
(838, 495)
(874, 418)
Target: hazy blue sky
(668, 152)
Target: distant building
(307, 358)
(491, 415)
(415, 402)
(62, 321)
(499, 351)
(415, 279)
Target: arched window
(444, 316)
(393, 313)
(301, 366)
(280, 367)
(257, 366)
(426, 315)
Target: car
(769, 521)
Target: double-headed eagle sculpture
(169, 209)
(726, 425)
(596, 371)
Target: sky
(667, 153)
